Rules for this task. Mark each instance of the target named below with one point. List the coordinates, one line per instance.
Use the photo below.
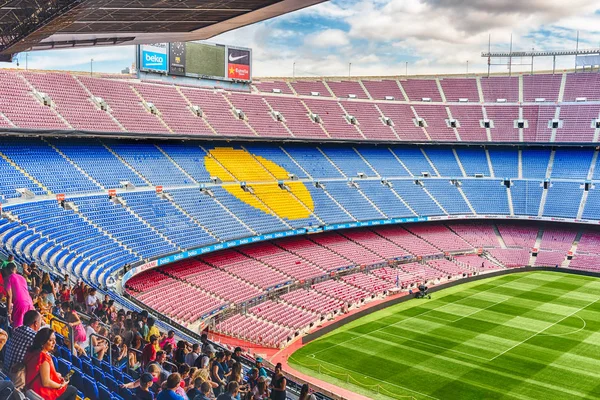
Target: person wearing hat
(261, 370)
(237, 354)
(143, 392)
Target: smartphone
(69, 375)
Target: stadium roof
(49, 24)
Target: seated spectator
(261, 390)
(154, 376)
(18, 299)
(40, 374)
(231, 393)
(252, 378)
(22, 339)
(205, 390)
(305, 393)
(159, 361)
(196, 389)
(43, 304)
(169, 393)
(142, 392)
(7, 388)
(119, 351)
(99, 347)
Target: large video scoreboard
(196, 60)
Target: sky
(384, 37)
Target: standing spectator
(80, 336)
(170, 339)
(278, 384)
(91, 301)
(217, 374)
(261, 370)
(40, 371)
(65, 293)
(119, 351)
(18, 299)
(232, 392)
(191, 357)
(236, 376)
(21, 339)
(237, 354)
(252, 378)
(43, 303)
(10, 259)
(305, 393)
(173, 382)
(152, 329)
(79, 291)
(149, 352)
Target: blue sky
(378, 37)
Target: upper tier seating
(268, 86)
(379, 90)
(418, 89)
(500, 87)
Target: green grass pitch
(532, 335)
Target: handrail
(106, 340)
(70, 337)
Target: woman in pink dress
(18, 298)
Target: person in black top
(196, 390)
(278, 384)
(143, 392)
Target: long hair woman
(40, 374)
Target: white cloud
(328, 38)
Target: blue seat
(87, 368)
(103, 392)
(77, 379)
(99, 376)
(90, 390)
(76, 361)
(112, 384)
(63, 366)
(126, 394)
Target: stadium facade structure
(148, 174)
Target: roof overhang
(27, 25)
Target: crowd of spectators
(163, 367)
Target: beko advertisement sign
(153, 57)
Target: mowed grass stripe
(516, 337)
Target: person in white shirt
(91, 301)
(190, 358)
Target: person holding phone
(40, 374)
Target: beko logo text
(154, 59)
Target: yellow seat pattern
(268, 196)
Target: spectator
(7, 388)
(173, 382)
(305, 393)
(252, 378)
(91, 301)
(43, 304)
(80, 336)
(22, 339)
(152, 329)
(10, 259)
(128, 334)
(119, 351)
(143, 392)
(159, 361)
(79, 291)
(278, 384)
(180, 352)
(191, 357)
(236, 376)
(260, 391)
(261, 370)
(40, 374)
(18, 299)
(99, 346)
(205, 390)
(65, 293)
(196, 390)
(170, 339)
(232, 392)
(149, 352)
(153, 388)
(217, 373)
(237, 354)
